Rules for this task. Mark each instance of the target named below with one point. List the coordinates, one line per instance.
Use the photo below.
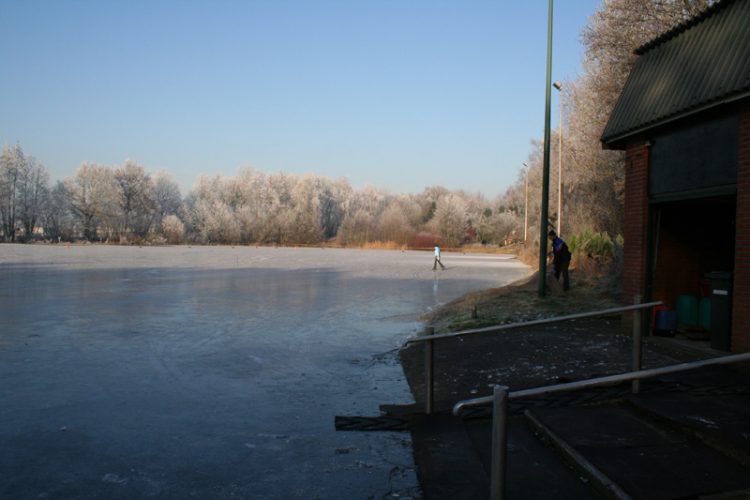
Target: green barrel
(687, 310)
(704, 313)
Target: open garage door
(692, 261)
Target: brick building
(683, 119)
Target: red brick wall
(635, 223)
(741, 299)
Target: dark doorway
(689, 240)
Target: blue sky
(399, 94)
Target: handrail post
(429, 365)
(499, 442)
(637, 344)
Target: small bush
(598, 256)
(595, 245)
(173, 229)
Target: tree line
(128, 204)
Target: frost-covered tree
(12, 164)
(33, 195)
(173, 229)
(259, 217)
(215, 222)
(166, 195)
(135, 199)
(305, 212)
(332, 196)
(361, 209)
(393, 225)
(93, 199)
(450, 219)
(59, 221)
(356, 229)
(595, 177)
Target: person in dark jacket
(560, 259)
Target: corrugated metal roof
(700, 63)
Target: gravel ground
(467, 367)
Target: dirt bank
(520, 301)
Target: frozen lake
(212, 372)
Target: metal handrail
(430, 339)
(502, 395)
(497, 328)
(603, 381)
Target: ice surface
(211, 371)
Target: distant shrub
(598, 254)
(173, 229)
(597, 245)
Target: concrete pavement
(684, 436)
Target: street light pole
(545, 176)
(558, 86)
(526, 207)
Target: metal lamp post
(558, 86)
(545, 176)
(526, 206)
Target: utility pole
(545, 174)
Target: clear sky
(399, 94)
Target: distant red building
(683, 119)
